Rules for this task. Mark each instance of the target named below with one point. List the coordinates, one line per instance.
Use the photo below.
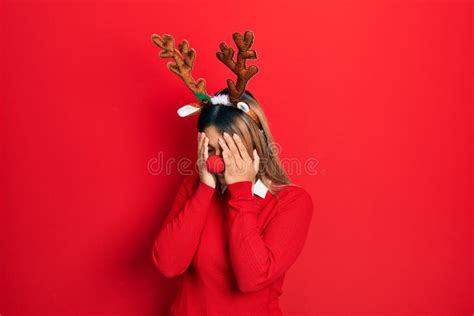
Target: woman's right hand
(202, 155)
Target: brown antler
(184, 62)
(243, 74)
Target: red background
(379, 92)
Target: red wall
(379, 92)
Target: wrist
(207, 184)
(241, 188)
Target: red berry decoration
(215, 164)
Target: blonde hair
(231, 120)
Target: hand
(239, 166)
(204, 175)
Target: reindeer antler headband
(184, 57)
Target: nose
(215, 164)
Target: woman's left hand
(239, 166)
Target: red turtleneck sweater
(231, 249)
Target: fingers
(201, 147)
(232, 147)
(229, 160)
(225, 149)
(199, 143)
(241, 147)
(205, 148)
(256, 161)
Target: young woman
(231, 235)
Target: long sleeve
(259, 259)
(178, 238)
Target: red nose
(215, 164)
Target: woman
(231, 235)
(232, 247)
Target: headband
(184, 57)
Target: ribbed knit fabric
(231, 250)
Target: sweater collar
(258, 188)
